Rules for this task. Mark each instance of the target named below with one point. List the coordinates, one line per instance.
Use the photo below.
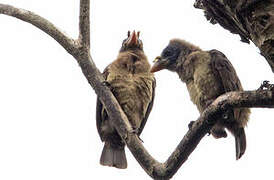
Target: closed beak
(158, 65)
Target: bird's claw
(208, 102)
(266, 86)
(136, 131)
(225, 116)
(105, 83)
(140, 139)
(228, 116)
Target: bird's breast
(134, 93)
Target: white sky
(47, 108)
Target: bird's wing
(226, 74)
(148, 108)
(224, 71)
(101, 114)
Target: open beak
(133, 39)
(159, 64)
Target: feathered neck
(132, 62)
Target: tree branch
(260, 98)
(252, 20)
(80, 51)
(42, 24)
(84, 23)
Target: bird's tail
(113, 156)
(240, 142)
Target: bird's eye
(167, 53)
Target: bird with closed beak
(207, 74)
(131, 82)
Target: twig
(84, 23)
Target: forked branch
(80, 50)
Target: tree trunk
(253, 20)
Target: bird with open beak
(133, 85)
(207, 74)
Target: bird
(133, 85)
(207, 75)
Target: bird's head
(132, 42)
(131, 56)
(173, 55)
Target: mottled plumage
(207, 74)
(133, 86)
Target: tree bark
(80, 50)
(253, 20)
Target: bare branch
(260, 98)
(41, 23)
(84, 23)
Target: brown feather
(209, 74)
(133, 86)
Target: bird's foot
(140, 139)
(106, 83)
(266, 86)
(228, 116)
(218, 133)
(190, 125)
(208, 102)
(136, 131)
